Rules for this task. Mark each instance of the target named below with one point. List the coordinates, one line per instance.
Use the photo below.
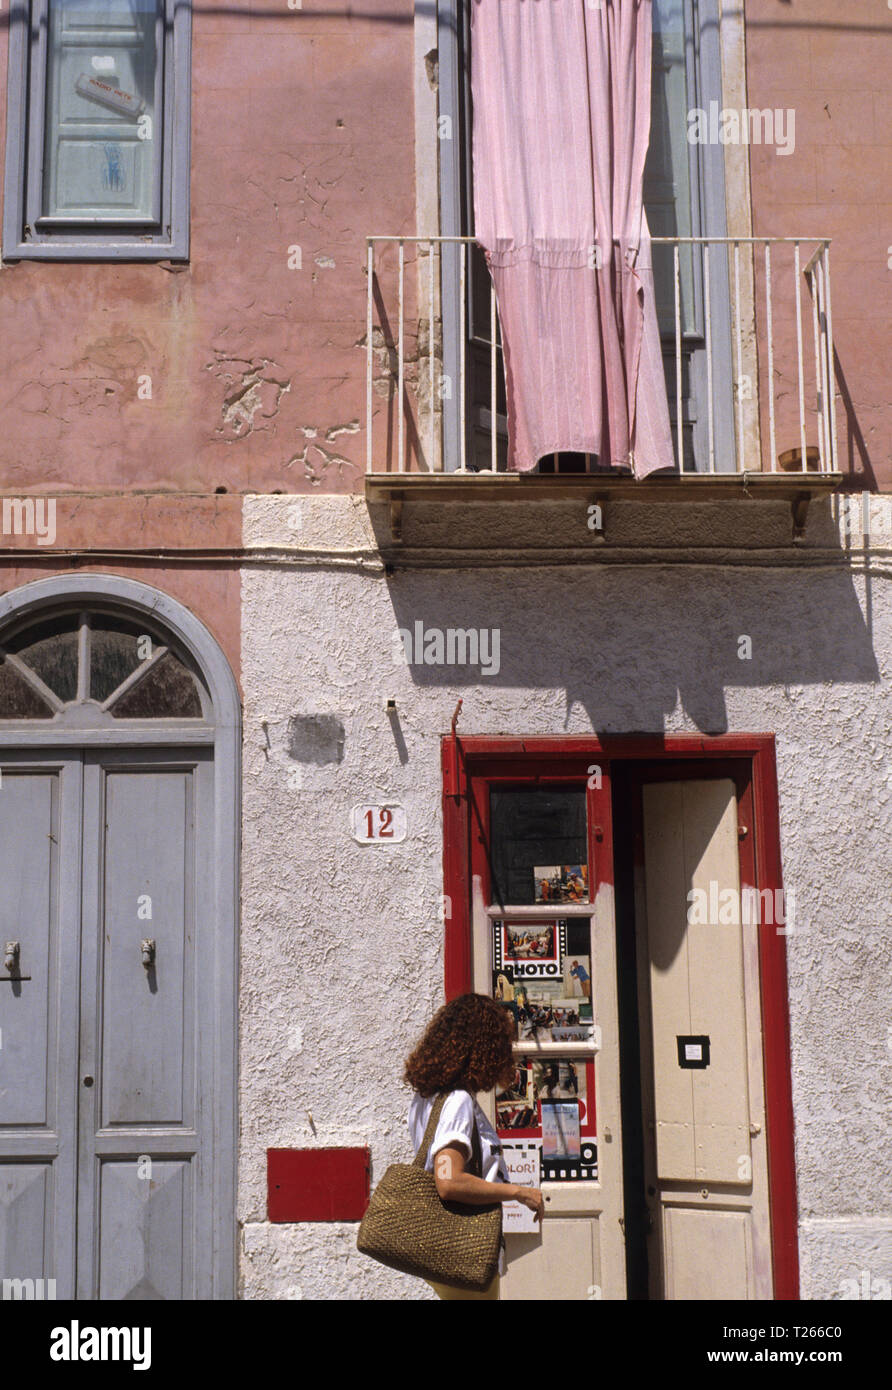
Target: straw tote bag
(409, 1227)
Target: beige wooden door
(705, 1149)
(579, 1254)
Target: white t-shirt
(456, 1126)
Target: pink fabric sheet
(561, 97)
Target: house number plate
(378, 825)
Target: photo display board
(542, 975)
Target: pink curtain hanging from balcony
(561, 94)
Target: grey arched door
(117, 1111)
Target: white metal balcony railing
(410, 367)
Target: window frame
(25, 142)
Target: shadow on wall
(855, 459)
(627, 643)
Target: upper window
(97, 158)
(684, 196)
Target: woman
(465, 1049)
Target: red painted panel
(317, 1184)
(776, 1038)
(456, 887)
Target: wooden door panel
(143, 1185)
(579, 1251)
(564, 1262)
(26, 1220)
(147, 1036)
(39, 868)
(696, 980)
(708, 1254)
(699, 978)
(145, 1246)
(29, 872)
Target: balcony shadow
(855, 462)
(631, 644)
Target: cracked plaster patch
(254, 391)
(315, 460)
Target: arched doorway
(119, 738)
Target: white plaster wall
(341, 962)
(846, 1257)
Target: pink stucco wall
(212, 591)
(830, 64)
(302, 135)
(185, 545)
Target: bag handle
(476, 1150)
(430, 1129)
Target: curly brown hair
(465, 1047)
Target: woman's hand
(456, 1184)
(531, 1197)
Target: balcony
(747, 335)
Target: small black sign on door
(693, 1051)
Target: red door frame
(463, 758)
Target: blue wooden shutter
(667, 180)
(684, 194)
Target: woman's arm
(454, 1184)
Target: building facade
(301, 689)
